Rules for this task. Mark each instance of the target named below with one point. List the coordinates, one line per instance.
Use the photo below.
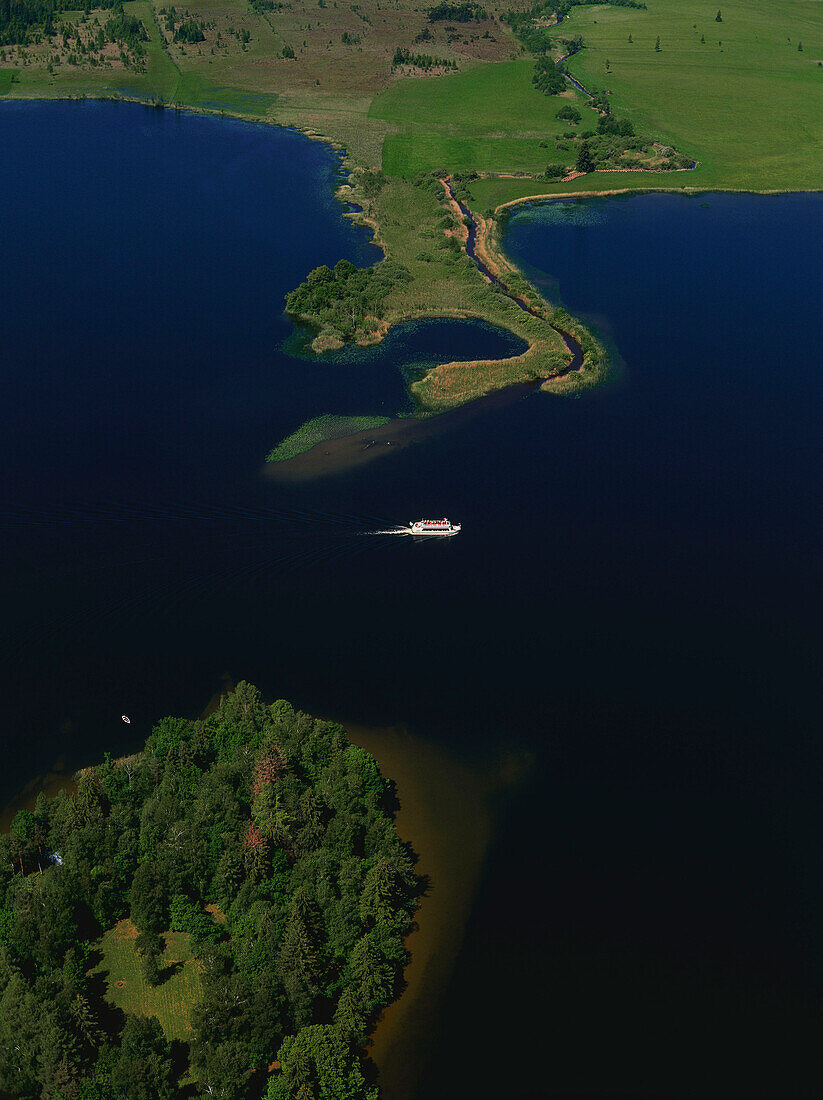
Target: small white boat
(126, 719)
(434, 527)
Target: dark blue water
(634, 602)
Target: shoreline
(691, 191)
(446, 813)
(337, 456)
(447, 386)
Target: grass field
(738, 95)
(487, 119)
(172, 1000)
(750, 110)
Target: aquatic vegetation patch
(573, 212)
(318, 430)
(193, 91)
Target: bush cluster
(340, 298)
(457, 13)
(423, 61)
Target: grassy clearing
(170, 1002)
(320, 429)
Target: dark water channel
(573, 346)
(633, 606)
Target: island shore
(446, 814)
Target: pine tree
(87, 1024)
(377, 901)
(350, 1016)
(371, 972)
(718, 18)
(584, 161)
(657, 44)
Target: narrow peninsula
(454, 112)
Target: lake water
(632, 613)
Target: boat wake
(399, 530)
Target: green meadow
(746, 103)
(485, 119)
(739, 96)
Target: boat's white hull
(427, 532)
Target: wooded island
(249, 864)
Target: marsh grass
(320, 429)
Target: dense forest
(22, 20)
(266, 838)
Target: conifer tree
(350, 1017)
(584, 162)
(379, 891)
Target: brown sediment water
(446, 814)
(56, 779)
(337, 456)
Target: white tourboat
(434, 527)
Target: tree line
(423, 61)
(279, 825)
